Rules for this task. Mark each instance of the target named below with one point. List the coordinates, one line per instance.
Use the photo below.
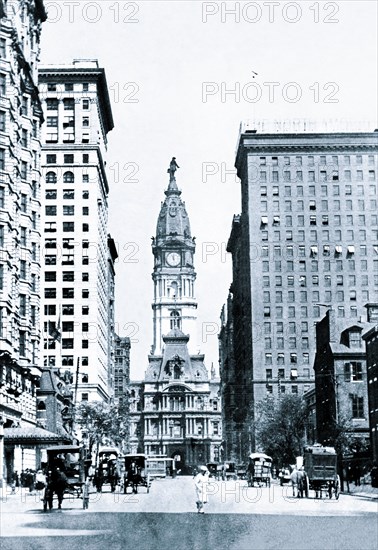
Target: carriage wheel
(337, 488)
(330, 489)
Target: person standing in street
(200, 481)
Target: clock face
(173, 259)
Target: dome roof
(173, 219)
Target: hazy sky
(181, 78)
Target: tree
(103, 423)
(280, 426)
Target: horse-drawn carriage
(136, 472)
(259, 469)
(320, 466)
(108, 470)
(65, 469)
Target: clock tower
(174, 304)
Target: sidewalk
(363, 490)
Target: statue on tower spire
(172, 169)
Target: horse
(57, 482)
(132, 477)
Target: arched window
(175, 320)
(51, 177)
(41, 406)
(68, 177)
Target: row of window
(66, 293)
(312, 234)
(68, 177)
(23, 168)
(360, 218)
(67, 242)
(323, 190)
(52, 194)
(68, 121)
(280, 360)
(68, 210)
(22, 240)
(51, 276)
(304, 280)
(281, 373)
(303, 296)
(293, 312)
(23, 201)
(68, 158)
(312, 176)
(67, 309)
(52, 103)
(68, 137)
(302, 265)
(68, 227)
(67, 361)
(316, 159)
(282, 389)
(67, 259)
(301, 251)
(68, 86)
(67, 343)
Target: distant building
(21, 117)
(78, 255)
(371, 341)
(121, 369)
(175, 411)
(307, 237)
(340, 379)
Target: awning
(351, 249)
(264, 220)
(32, 434)
(339, 249)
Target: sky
(181, 77)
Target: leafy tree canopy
(280, 426)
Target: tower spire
(174, 304)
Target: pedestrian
(201, 480)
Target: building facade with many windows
(307, 237)
(77, 254)
(21, 117)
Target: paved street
(236, 517)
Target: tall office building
(307, 237)
(76, 251)
(20, 122)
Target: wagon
(136, 472)
(71, 460)
(108, 467)
(259, 469)
(320, 467)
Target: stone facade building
(21, 117)
(371, 342)
(307, 237)
(78, 254)
(175, 411)
(340, 379)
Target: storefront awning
(32, 435)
